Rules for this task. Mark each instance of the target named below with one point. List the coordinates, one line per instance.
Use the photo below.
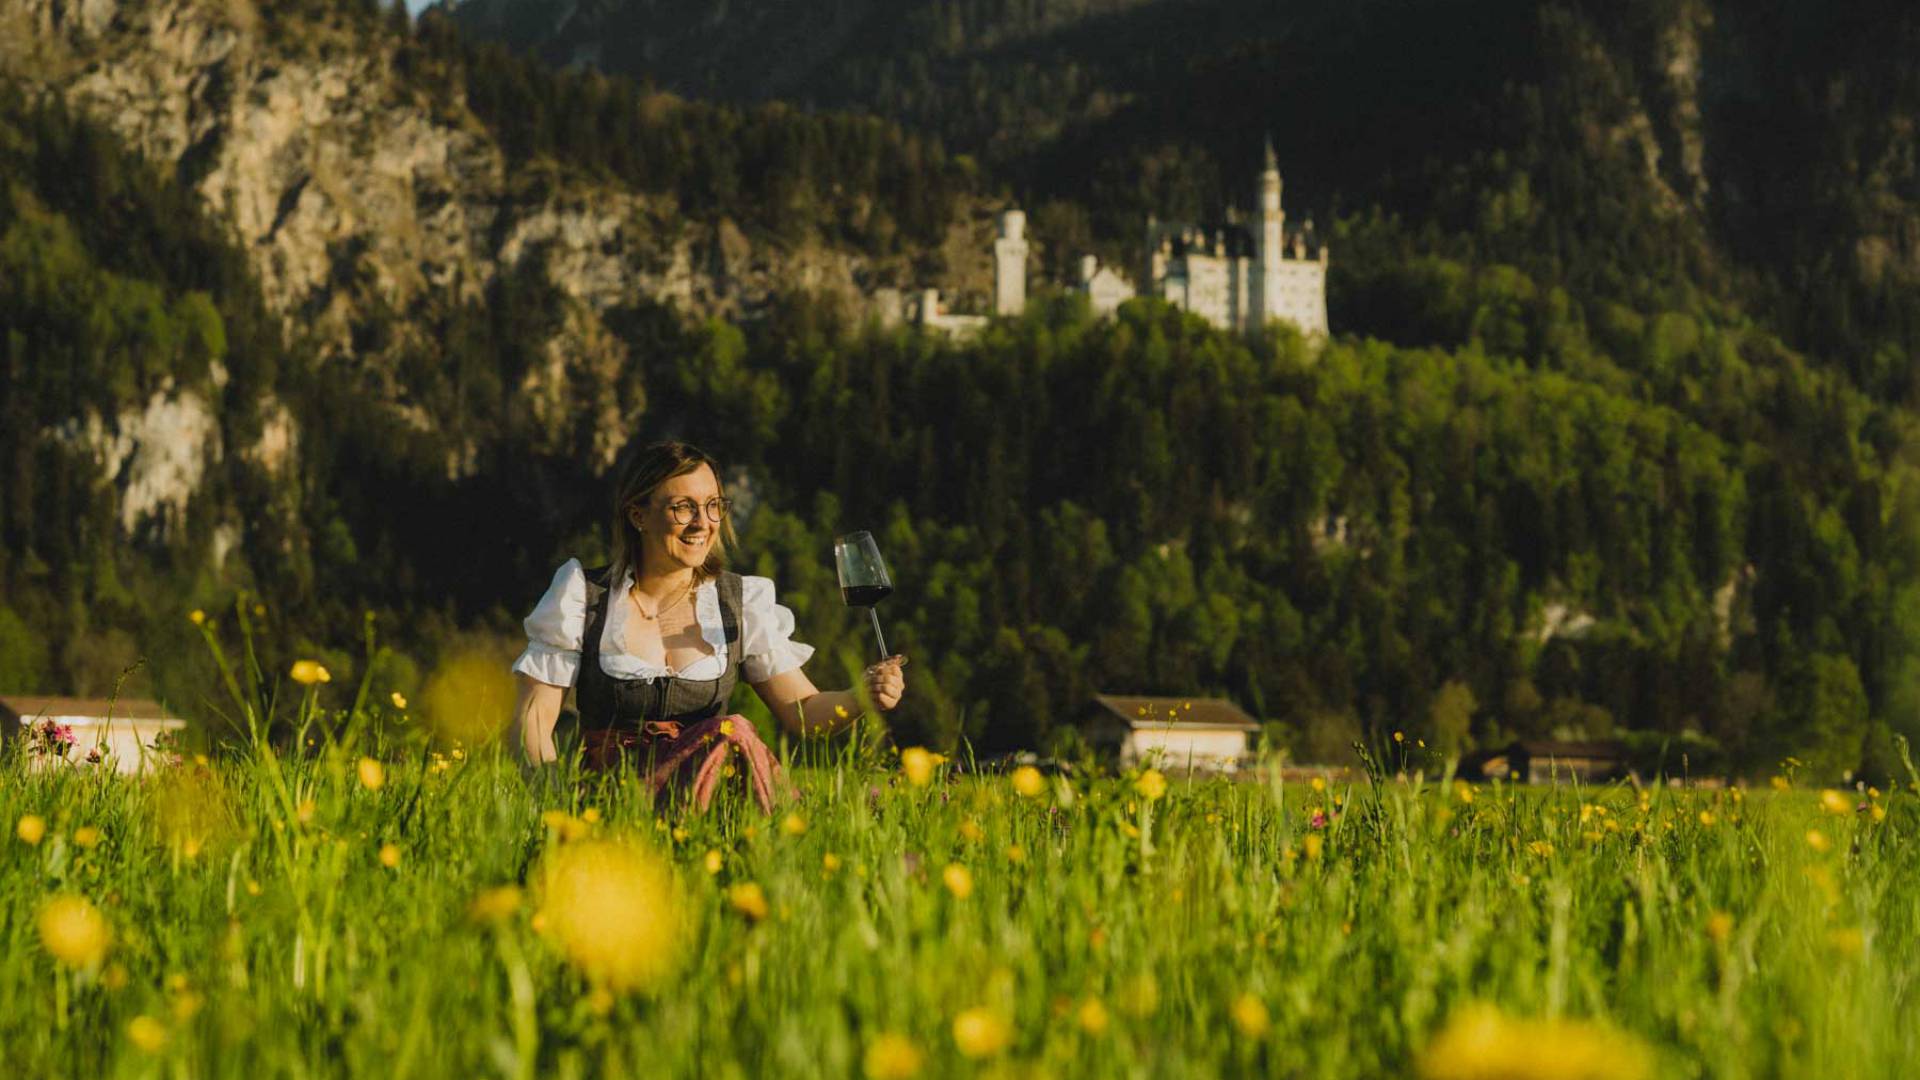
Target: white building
(1195, 734)
(1240, 277)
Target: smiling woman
(653, 643)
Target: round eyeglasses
(681, 511)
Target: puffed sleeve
(556, 628)
(766, 633)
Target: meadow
(406, 911)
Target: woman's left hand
(885, 683)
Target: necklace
(677, 601)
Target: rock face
(349, 184)
(354, 189)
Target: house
(1542, 761)
(87, 730)
(1171, 732)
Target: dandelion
(31, 829)
(611, 908)
(389, 855)
(1151, 785)
(399, 700)
(1016, 854)
(958, 879)
(748, 899)
(1250, 1016)
(981, 1033)
(591, 815)
(1781, 783)
(495, 906)
(1706, 818)
(841, 711)
(1318, 784)
(892, 1056)
(373, 775)
(1833, 802)
(971, 831)
(197, 617)
(1092, 1017)
(726, 727)
(1027, 782)
(1313, 844)
(1541, 848)
(1463, 791)
(1399, 736)
(917, 764)
(1479, 1042)
(830, 862)
(309, 672)
(713, 861)
(86, 836)
(73, 931)
(1818, 841)
(1719, 926)
(144, 1031)
(794, 825)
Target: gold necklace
(662, 611)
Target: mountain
(334, 322)
(1764, 155)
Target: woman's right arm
(535, 715)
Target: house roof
(26, 707)
(1181, 712)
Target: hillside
(1643, 152)
(1543, 496)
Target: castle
(1238, 275)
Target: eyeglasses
(681, 511)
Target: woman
(654, 643)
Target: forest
(1538, 483)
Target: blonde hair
(643, 474)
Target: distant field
(254, 917)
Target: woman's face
(664, 542)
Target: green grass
(284, 948)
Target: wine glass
(863, 577)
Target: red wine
(865, 595)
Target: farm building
(1177, 733)
(77, 730)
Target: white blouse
(558, 627)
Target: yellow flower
(1016, 854)
(726, 727)
(958, 879)
(713, 861)
(591, 815)
(892, 1057)
(1847, 941)
(309, 672)
(1818, 841)
(1835, 803)
(389, 856)
(1463, 791)
(917, 764)
(1318, 783)
(1479, 1042)
(1780, 783)
(197, 617)
(1027, 782)
(1151, 785)
(1092, 1017)
(981, 1033)
(830, 862)
(793, 825)
(971, 831)
(565, 825)
(613, 909)
(1541, 848)
(1312, 844)
(1706, 818)
(1249, 1015)
(1399, 736)
(1719, 926)
(1878, 813)
(86, 836)
(496, 905)
(399, 700)
(31, 829)
(748, 899)
(144, 1031)
(373, 775)
(841, 711)
(73, 931)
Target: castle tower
(1010, 264)
(1273, 221)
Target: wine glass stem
(877, 635)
